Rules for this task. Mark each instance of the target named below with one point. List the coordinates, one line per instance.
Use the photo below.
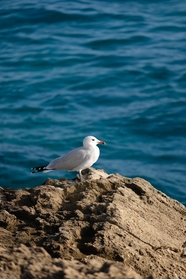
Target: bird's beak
(101, 142)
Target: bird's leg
(80, 176)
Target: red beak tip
(102, 142)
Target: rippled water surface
(112, 69)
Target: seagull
(77, 159)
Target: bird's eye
(93, 139)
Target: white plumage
(76, 160)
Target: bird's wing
(71, 160)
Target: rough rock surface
(108, 226)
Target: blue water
(112, 69)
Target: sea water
(112, 69)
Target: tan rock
(89, 227)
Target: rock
(103, 226)
(34, 262)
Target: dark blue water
(112, 69)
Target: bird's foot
(80, 177)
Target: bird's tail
(40, 169)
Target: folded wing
(71, 161)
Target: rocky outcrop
(108, 226)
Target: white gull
(76, 160)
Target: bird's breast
(94, 154)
